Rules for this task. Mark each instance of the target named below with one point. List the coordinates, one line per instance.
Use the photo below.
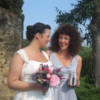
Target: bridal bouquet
(47, 76)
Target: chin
(63, 48)
(43, 46)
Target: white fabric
(29, 68)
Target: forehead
(46, 30)
(63, 35)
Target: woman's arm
(78, 70)
(14, 75)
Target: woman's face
(44, 39)
(63, 41)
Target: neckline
(32, 59)
(65, 66)
(38, 61)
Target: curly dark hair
(33, 29)
(75, 42)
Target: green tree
(86, 10)
(81, 13)
(95, 35)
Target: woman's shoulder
(17, 56)
(18, 53)
(21, 50)
(49, 52)
(79, 58)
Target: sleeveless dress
(63, 91)
(29, 68)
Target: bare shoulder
(17, 57)
(79, 58)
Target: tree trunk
(95, 31)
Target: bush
(87, 91)
(87, 70)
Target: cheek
(67, 41)
(45, 40)
(59, 40)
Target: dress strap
(51, 52)
(75, 61)
(23, 54)
(46, 55)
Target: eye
(60, 37)
(67, 38)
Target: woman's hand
(41, 88)
(78, 83)
(44, 90)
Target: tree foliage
(81, 12)
(14, 6)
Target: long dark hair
(32, 30)
(75, 42)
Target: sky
(44, 11)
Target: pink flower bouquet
(47, 76)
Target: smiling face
(44, 38)
(63, 41)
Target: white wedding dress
(29, 68)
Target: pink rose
(48, 76)
(54, 80)
(51, 70)
(46, 69)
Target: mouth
(63, 44)
(46, 42)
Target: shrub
(87, 70)
(87, 91)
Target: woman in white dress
(26, 62)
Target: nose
(62, 40)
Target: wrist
(33, 86)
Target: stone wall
(11, 29)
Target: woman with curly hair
(64, 55)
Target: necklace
(62, 56)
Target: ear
(38, 36)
